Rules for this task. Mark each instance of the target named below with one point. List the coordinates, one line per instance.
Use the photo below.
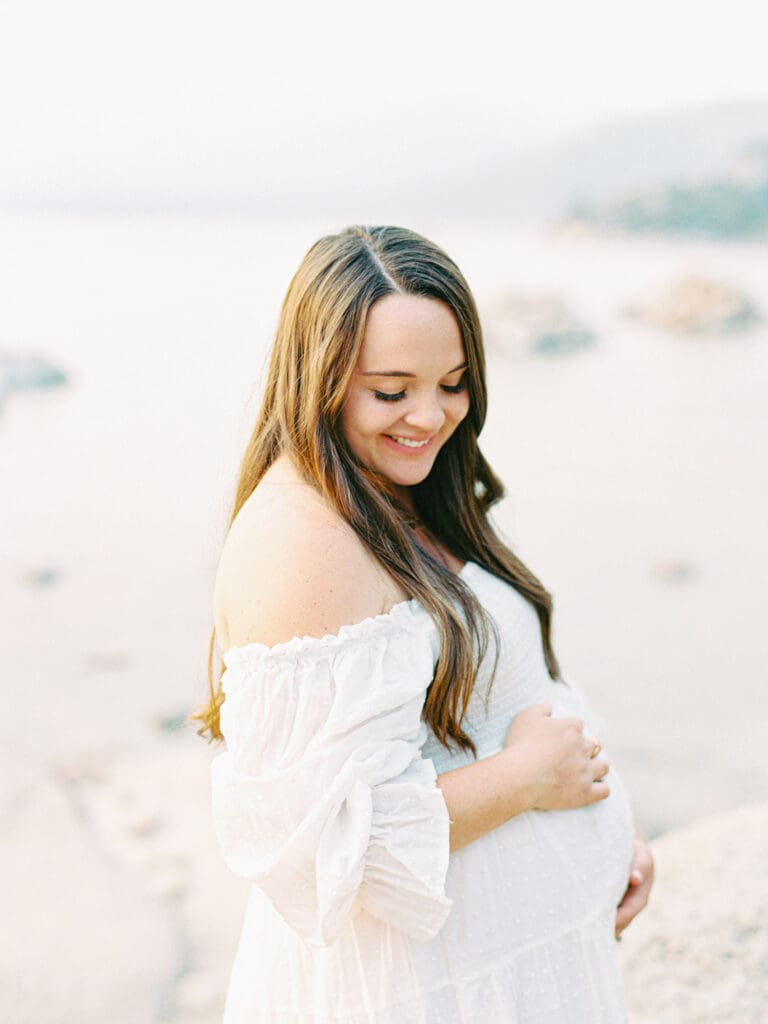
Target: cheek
(359, 419)
(348, 419)
(460, 410)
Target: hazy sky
(154, 97)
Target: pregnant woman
(432, 831)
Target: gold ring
(596, 750)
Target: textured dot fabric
(326, 801)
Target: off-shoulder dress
(326, 801)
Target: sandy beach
(636, 490)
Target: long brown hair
(316, 348)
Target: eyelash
(383, 396)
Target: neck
(404, 497)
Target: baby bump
(538, 876)
(600, 836)
(592, 844)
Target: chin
(407, 478)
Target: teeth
(408, 443)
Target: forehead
(415, 331)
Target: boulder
(539, 325)
(697, 305)
(21, 372)
(698, 953)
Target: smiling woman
(399, 433)
(396, 724)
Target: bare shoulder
(291, 566)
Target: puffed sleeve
(322, 798)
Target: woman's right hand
(554, 758)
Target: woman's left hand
(639, 886)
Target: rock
(675, 571)
(45, 576)
(698, 953)
(172, 723)
(22, 372)
(107, 661)
(543, 325)
(697, 305)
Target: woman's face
(408, 393)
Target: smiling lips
(409, 442)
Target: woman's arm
(546, 764)
(482, 796)
(322, 799)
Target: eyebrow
(402, 373)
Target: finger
(592, 747)
(632, 898)
(635, 897)
(644, 863)
(541, 709)
(623, 918)
(628, 909)
(624, 915)
(600, 768)
(599, 791)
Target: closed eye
(451, 389)
(384, 396)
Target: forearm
(483, 795)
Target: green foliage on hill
(734, 207)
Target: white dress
(326, 801)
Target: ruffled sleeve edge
(404, 615)
(409, 853)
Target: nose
(427, 415)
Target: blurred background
(599, 171)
